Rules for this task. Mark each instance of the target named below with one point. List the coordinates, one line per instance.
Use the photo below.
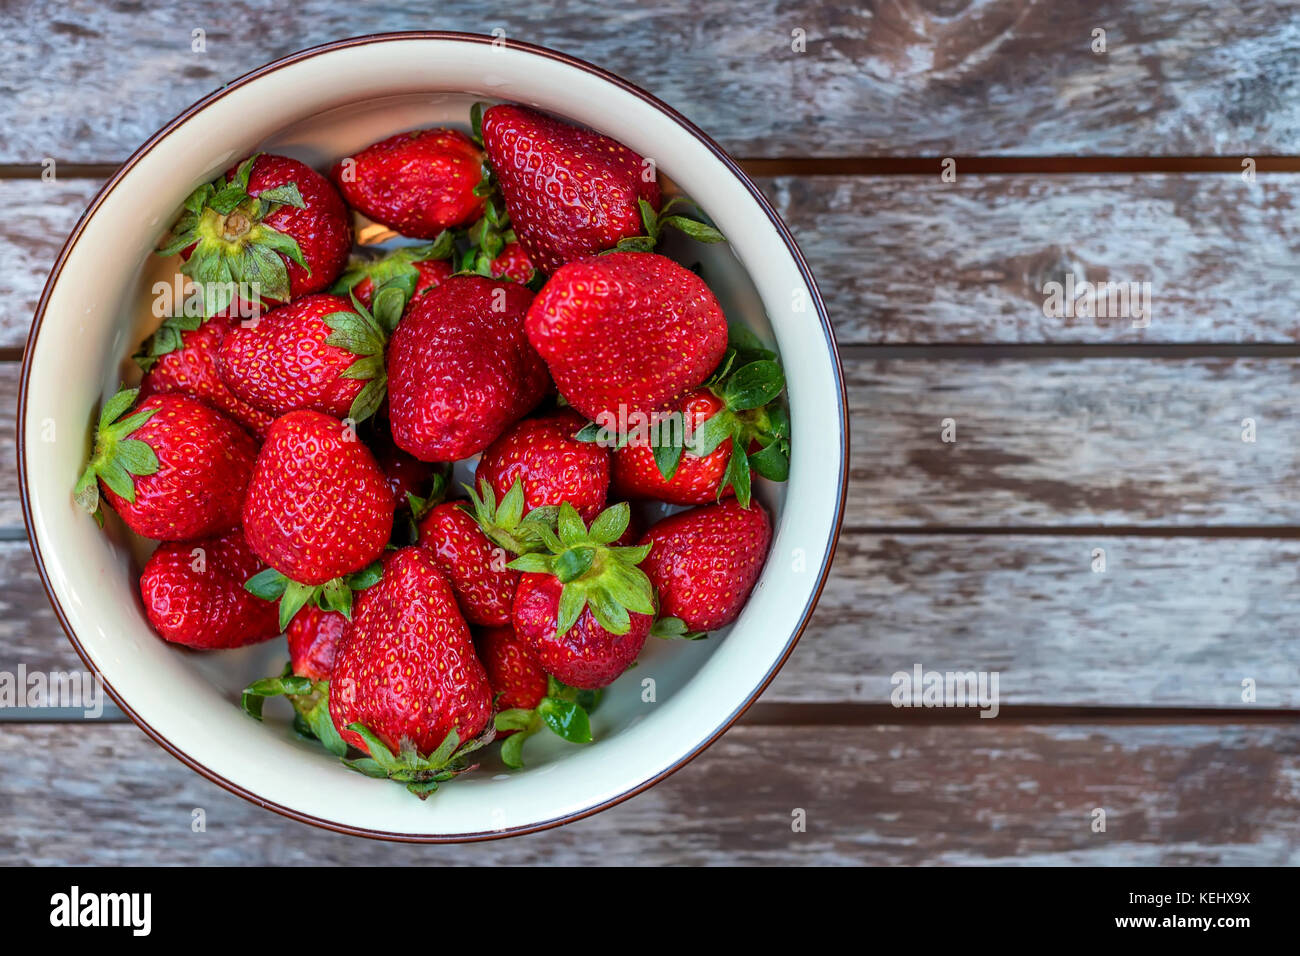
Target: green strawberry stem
(674, 629)
(397, 266)
(655, 222)
(166, 339)
(505, 524)
(232, 244)
(421, 774)
(310, 703)
(420, 506)
(116, 457)
(564, 710)
(594, 573)
(748, 381)
(364, 332)
(488, 238)
(334, 595)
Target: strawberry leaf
(737, 476)
(268, 584)
(772, 461)
(753, 385)
(565, 719)
(674, 629)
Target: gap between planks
(879, 165)
(857, 714)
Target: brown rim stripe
(576, 63)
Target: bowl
(318, 105)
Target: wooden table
(1121, 689)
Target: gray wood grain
(1040, 442)
(1081, 442)
(1169, 623)
(913, 260)
(878, 78)
(1002, 794)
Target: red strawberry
(194, 594)
(552, 465)
(174, 469)
(314, 637)
(704, 563)
(570, 192)
(476, 568)
(583, 606)
(416, 269)
(271, 222)
(513, 263)
(460, 368)
(407, 675)
(696, 479)
(317, 352)
(318, 508)
(627, 333)
(527, 699)
(517, 679)
(182, 356)
(687, 458)
(313, 642)
(418, 183)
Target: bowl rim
(534, 49)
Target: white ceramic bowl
(316, 106)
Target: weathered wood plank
(914, 260)
(1170, 622)
(880, 795)
(1085, 442)
(1052, 442)
(910, 78)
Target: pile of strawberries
(291, 442)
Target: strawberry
(182, 356)
(475, 567)
(418, 183)
(320, 352)
(513, 263)
(517, 679)
(318, 511)
(551, 463)
(313, 642)
(626, 334)
(460, 369)
(527, 699)
(582, 605)
(173, 469)
(704, 563)
(494, 251)
(313, 645)
(687, 457)
(417, 269)
(407, 687)
(194, 594)
(570, 192)
(271, 229)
